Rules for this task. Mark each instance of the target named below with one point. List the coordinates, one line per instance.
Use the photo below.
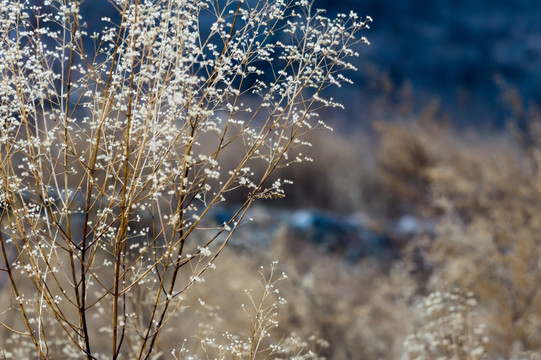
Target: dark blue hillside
(455, 49)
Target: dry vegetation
(465, 287)
(114, 147)
(83, 276)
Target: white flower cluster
(448, 328)
(116, 145)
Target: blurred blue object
(335, 234)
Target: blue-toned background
(452, 50)
(455, 49)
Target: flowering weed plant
(111, 154)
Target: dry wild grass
(484, 195)
(466, 288)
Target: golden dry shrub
(493, 248)
(483, 195)
(487, 237)
(406, 152)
